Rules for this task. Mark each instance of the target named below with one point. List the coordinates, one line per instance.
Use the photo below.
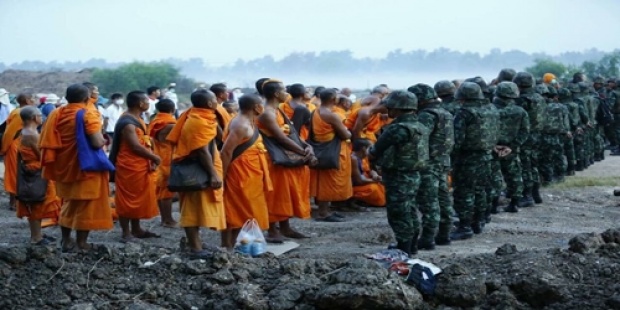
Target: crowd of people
(447, 152)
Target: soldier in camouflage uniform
(473, 144)
(582, 142)
(556, 128)
(445, 90)
(401, 152)
(566, 98)
(603, 119)
(433, 196)
(614, 104)
(535, 105)
(514, 131)
(596, 139)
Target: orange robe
(193, 130)
(372, 194)
(291, 194)
(331, 184)
(85, 194)
(10, 144)
(289, 111)
(164, 151)
(356, 105)
(135, 182)
(48, 209)
(226, 118)
(246, 184)
(370, 129)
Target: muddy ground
(328, 271)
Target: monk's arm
(131, 138)
(235, 136)
(362, 118)
(356, 174)
(341, 131)
(162, 134)
(268, 120)
(96, 140)
(206, 160)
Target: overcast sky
(220, 32)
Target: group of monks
(244, 182)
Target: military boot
(513, 207)
(413, 245)
(403, 246)
(427, 240)
(477, 227)
(463, 232)
(495, 206)
(579, 166)
(536, 193)
(527, 200)
(443, 235)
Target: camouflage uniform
(581, 140)
(402, 151)
(433, 196)
(535, 105)
(445, 90)
(556, 127)
(574, 122)
(614, 104)
(514, 131)
(596, 138)
(473, 143)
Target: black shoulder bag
(31, 186)
(327, 153)
(188, 174)
(280, 155)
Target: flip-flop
(69, 249)
(147, 234)
(49, 238)
(168, 225)
(330, 219)
(202, 254)
(42, 242)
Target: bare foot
(170, 224)
(274, 238)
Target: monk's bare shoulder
(242, 127)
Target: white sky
(220, 32)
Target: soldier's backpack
(554, 121)
(445, 127)
(479, 134)
(410, 156)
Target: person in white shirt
(5, 105)
(153, 93)
(172, 95)
(112, 113)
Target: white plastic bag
(250, 239)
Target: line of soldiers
(513, 136)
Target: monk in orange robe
(316, 98)
(291, 195)
(366, 122)
(367, 186)
(85, 193)
(223, 117)
(246, 172)
(159, 128)
(331, 185)
(192, 135)
(31, 159)
(296, 110)
(10, 145)
(135, 163)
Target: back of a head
(564, 93)
(423, 92)
(218, 88)
(318, 90)
(259, 85)
(165, 106)
(328, 94)
(151, 90)
(22, 98)
(297, 91)
(116, 96)
(248, 102)
(134, 99)
(524, 80)
(469, 91)
(28, 113)
(77, 93)
(360, 144)
(271, 87)
(445, 88)
(379, 89)
(507, 90)
(578, 77)
(506, 75)
(401, 99)
(200, 98)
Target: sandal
(92, 247)
(42, 242)
(295, 235)
(130, 239)
(147, 234)
(274, 240)
(330, 219)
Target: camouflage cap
(506, 75)
(469, 91)
(574, 88)
(507, 90)
(541, 89)
(599, 79)
(444, 88)
(480, 81)
(423, 92)
(564, 93)
(401, 99)
(524, 80)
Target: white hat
(3, 92)
(51, 98)
(172, 85)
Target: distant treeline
(343, 62)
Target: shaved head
(29, 113)
(381, 90)
(24, 99)
(202, 97)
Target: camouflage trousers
(552, 157)
(579, 142)
(529, 161)
(511, 171)
(588, 144)
(433, 200)
(598, 143)
(569, 152)
(496, 182)
(472, 172)
(400, 191)
(616, 129)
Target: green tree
(135, 76)
(542, 66)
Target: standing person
(331, 185)
(513, 132)
(433, 197)
(297, 111)
(153, 93)
(193, 136)
(223, 117)
(614, 103)
(473, 144)
(5, 105)
(112, 113)
(135, 163)
(10, 145)
(445, 90)
(159, 128)
(30, 154)
(246, 172)
(172, 94)
(85, 193)
(402, 151)
(565, 98)
(291, 195)
(582, 144)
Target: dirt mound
(138, 276)
(16, 81)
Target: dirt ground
(329, 262)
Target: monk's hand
(216, 182)
(156, 160)
(314, 161)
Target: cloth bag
(90, 158)
(327, 153)
(281, 156)
(188, 175)
(31, 186)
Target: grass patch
(579, 181)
